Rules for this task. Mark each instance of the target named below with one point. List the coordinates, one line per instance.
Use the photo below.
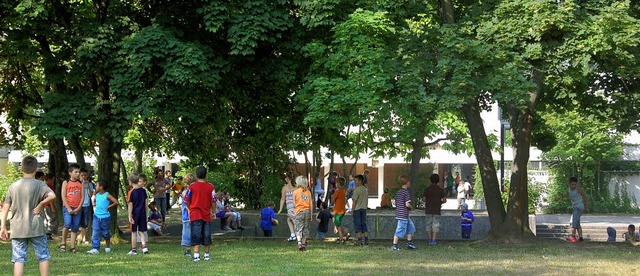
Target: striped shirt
(402, 197)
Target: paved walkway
(596, 220)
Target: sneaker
(241, 228)
(132, 253)
(196, 259)
(300, 247)
(572, 239)
(93, 251)
(395, 248)
(107, 250)
(410, 245)
(232, 227)
(358, 242)
(187, 253)
(227, 228)
(207, 256)
(291, 238)
(366, 242)
(432, 242)
(145, 250)
(580, 239)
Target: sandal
(63, 248)
(73, 250)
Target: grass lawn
(276, 257)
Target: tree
(526, 55)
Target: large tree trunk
(58, 166)
(137, 162)
(416, 155)
(76, 147)
(490, 183)
(108, 163)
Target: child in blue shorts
(186, 224)
(102, 218)
(26, 199)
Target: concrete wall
(630, 183)
(382, 225)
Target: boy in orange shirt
(302, 211)
(340, 199)
(72, 199)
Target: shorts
(139, 224)
(19, 248)
(466, 233)
(575, 217)
(84, 216)
(433, 223)
(337, 219)
(360, 220)
(186, 234)
(302, 224)
(154, 226)
(71, 221)
(101, 229)
(267, 233)
(162, 205)
(405, 227)
(200, 233)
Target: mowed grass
(277, 257)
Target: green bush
(11, 176)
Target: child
(85, 214)
(25, 200)
(137, 203)
(323, 221)
(202, 204)
(466, 219)
(405, 226)
(102, 218)
(71, 207)
(50, 211)
(186, 225)
(177, 190)
(302, 211)
(155, 219)
(268, 219)
(631, 236)
(340, 200)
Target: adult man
(201, 200)
(580, 204)
(433, 198)
(360, 203)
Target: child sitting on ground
(268, 219)
(155, 219)
(102, 218)
(323, 219)
(631, 236)
(466, 220)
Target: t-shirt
(339, 201)
(324, 217)
(185, 212)
(402, 197)
(102, 202)
(177, 189)
(87, 198)
(301, 200)
(73, 193)
(265, 218)
(23, 196)
(466, 224)
(361, 198)
(200, 196)
(138, 199)
(159, 185)
(434, 195)
(462, 192)
(154, 215)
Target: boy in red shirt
(201, 200)
(72, 199)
